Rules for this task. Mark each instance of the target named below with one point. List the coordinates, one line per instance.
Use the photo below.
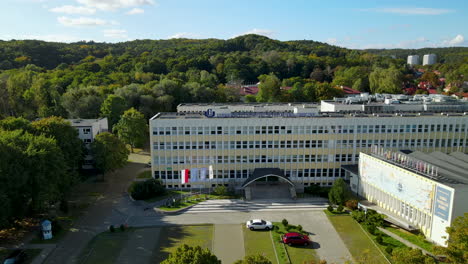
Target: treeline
(444, 55)
(40, 79)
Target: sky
(347, 23)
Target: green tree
(12, 123)
(254, 259)
(431, 78)
(337, 192)
(67, 140)
(191, 255)
(112, 108)
(269, 88)
(132, 128)
(109, 152)
(386, 80)
(411, 256)
(457, 242)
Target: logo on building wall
(400, 187)
(209, 113)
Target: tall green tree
(337, 192)
(269, 88)
(13, 123)
(386, 80)
(132, 128)
(191, 255)
(112, 108)
(457, 241)
(109, 152)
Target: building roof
(84, 122)
(249, 89)
(348, 90)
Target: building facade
(413, 60)
(413, 190)
(308, 145)
(88, 129)
(429, 59)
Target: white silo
(413, 59)
(429, 59)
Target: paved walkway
(404, 241)
(140, 246)
(228, 243)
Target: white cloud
(135, 11)
(263, 32)
(83, 21)
(109, 5)
(184, 35)
(69, 9)
(115, 33)
(457, 40)
(410, 10)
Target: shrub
(389, 249)
(285, 222)
(352, 204)
(220, 190)
(147, 189)
(122, 227)
(112, 228)
(64, 206)
(371, 229)
(299, 227)
(340, 208)
(379, 238)
(359, 216)
(330, 208)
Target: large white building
(429, 59)
(88, 129)
(309, 146)
(416, 190)
(413, 60)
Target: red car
(296, 239)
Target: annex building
(415, 190)
(224, 144)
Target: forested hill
(40, 79)
(444, 55)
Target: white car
(259, 224)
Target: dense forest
(40, 79)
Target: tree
(457, 242)
(431, 78)
(386, 80)
(337, 192)
(13, 123)
(411, 256)
(109, 152)
(112, 108)
(132, 128)
(269, 88)
(254, 259)
(191, 255)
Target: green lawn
(105, 247)
(259, 242)
(415, 239)
(358, 243)
(174, 236)
(297, 254)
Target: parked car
(16, 257)
(257, 224)
(295, 239)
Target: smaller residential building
(429, 59)
(88, 129)
(415, 190)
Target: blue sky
(346, 23)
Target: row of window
(239, 159)
(243, 174)
(294, 144)
(284, 130)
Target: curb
(175, 211)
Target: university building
(308, 143)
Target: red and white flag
(184, 176)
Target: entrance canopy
(264, 173)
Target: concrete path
(228, 243)
(404, 241)
(140, 246)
